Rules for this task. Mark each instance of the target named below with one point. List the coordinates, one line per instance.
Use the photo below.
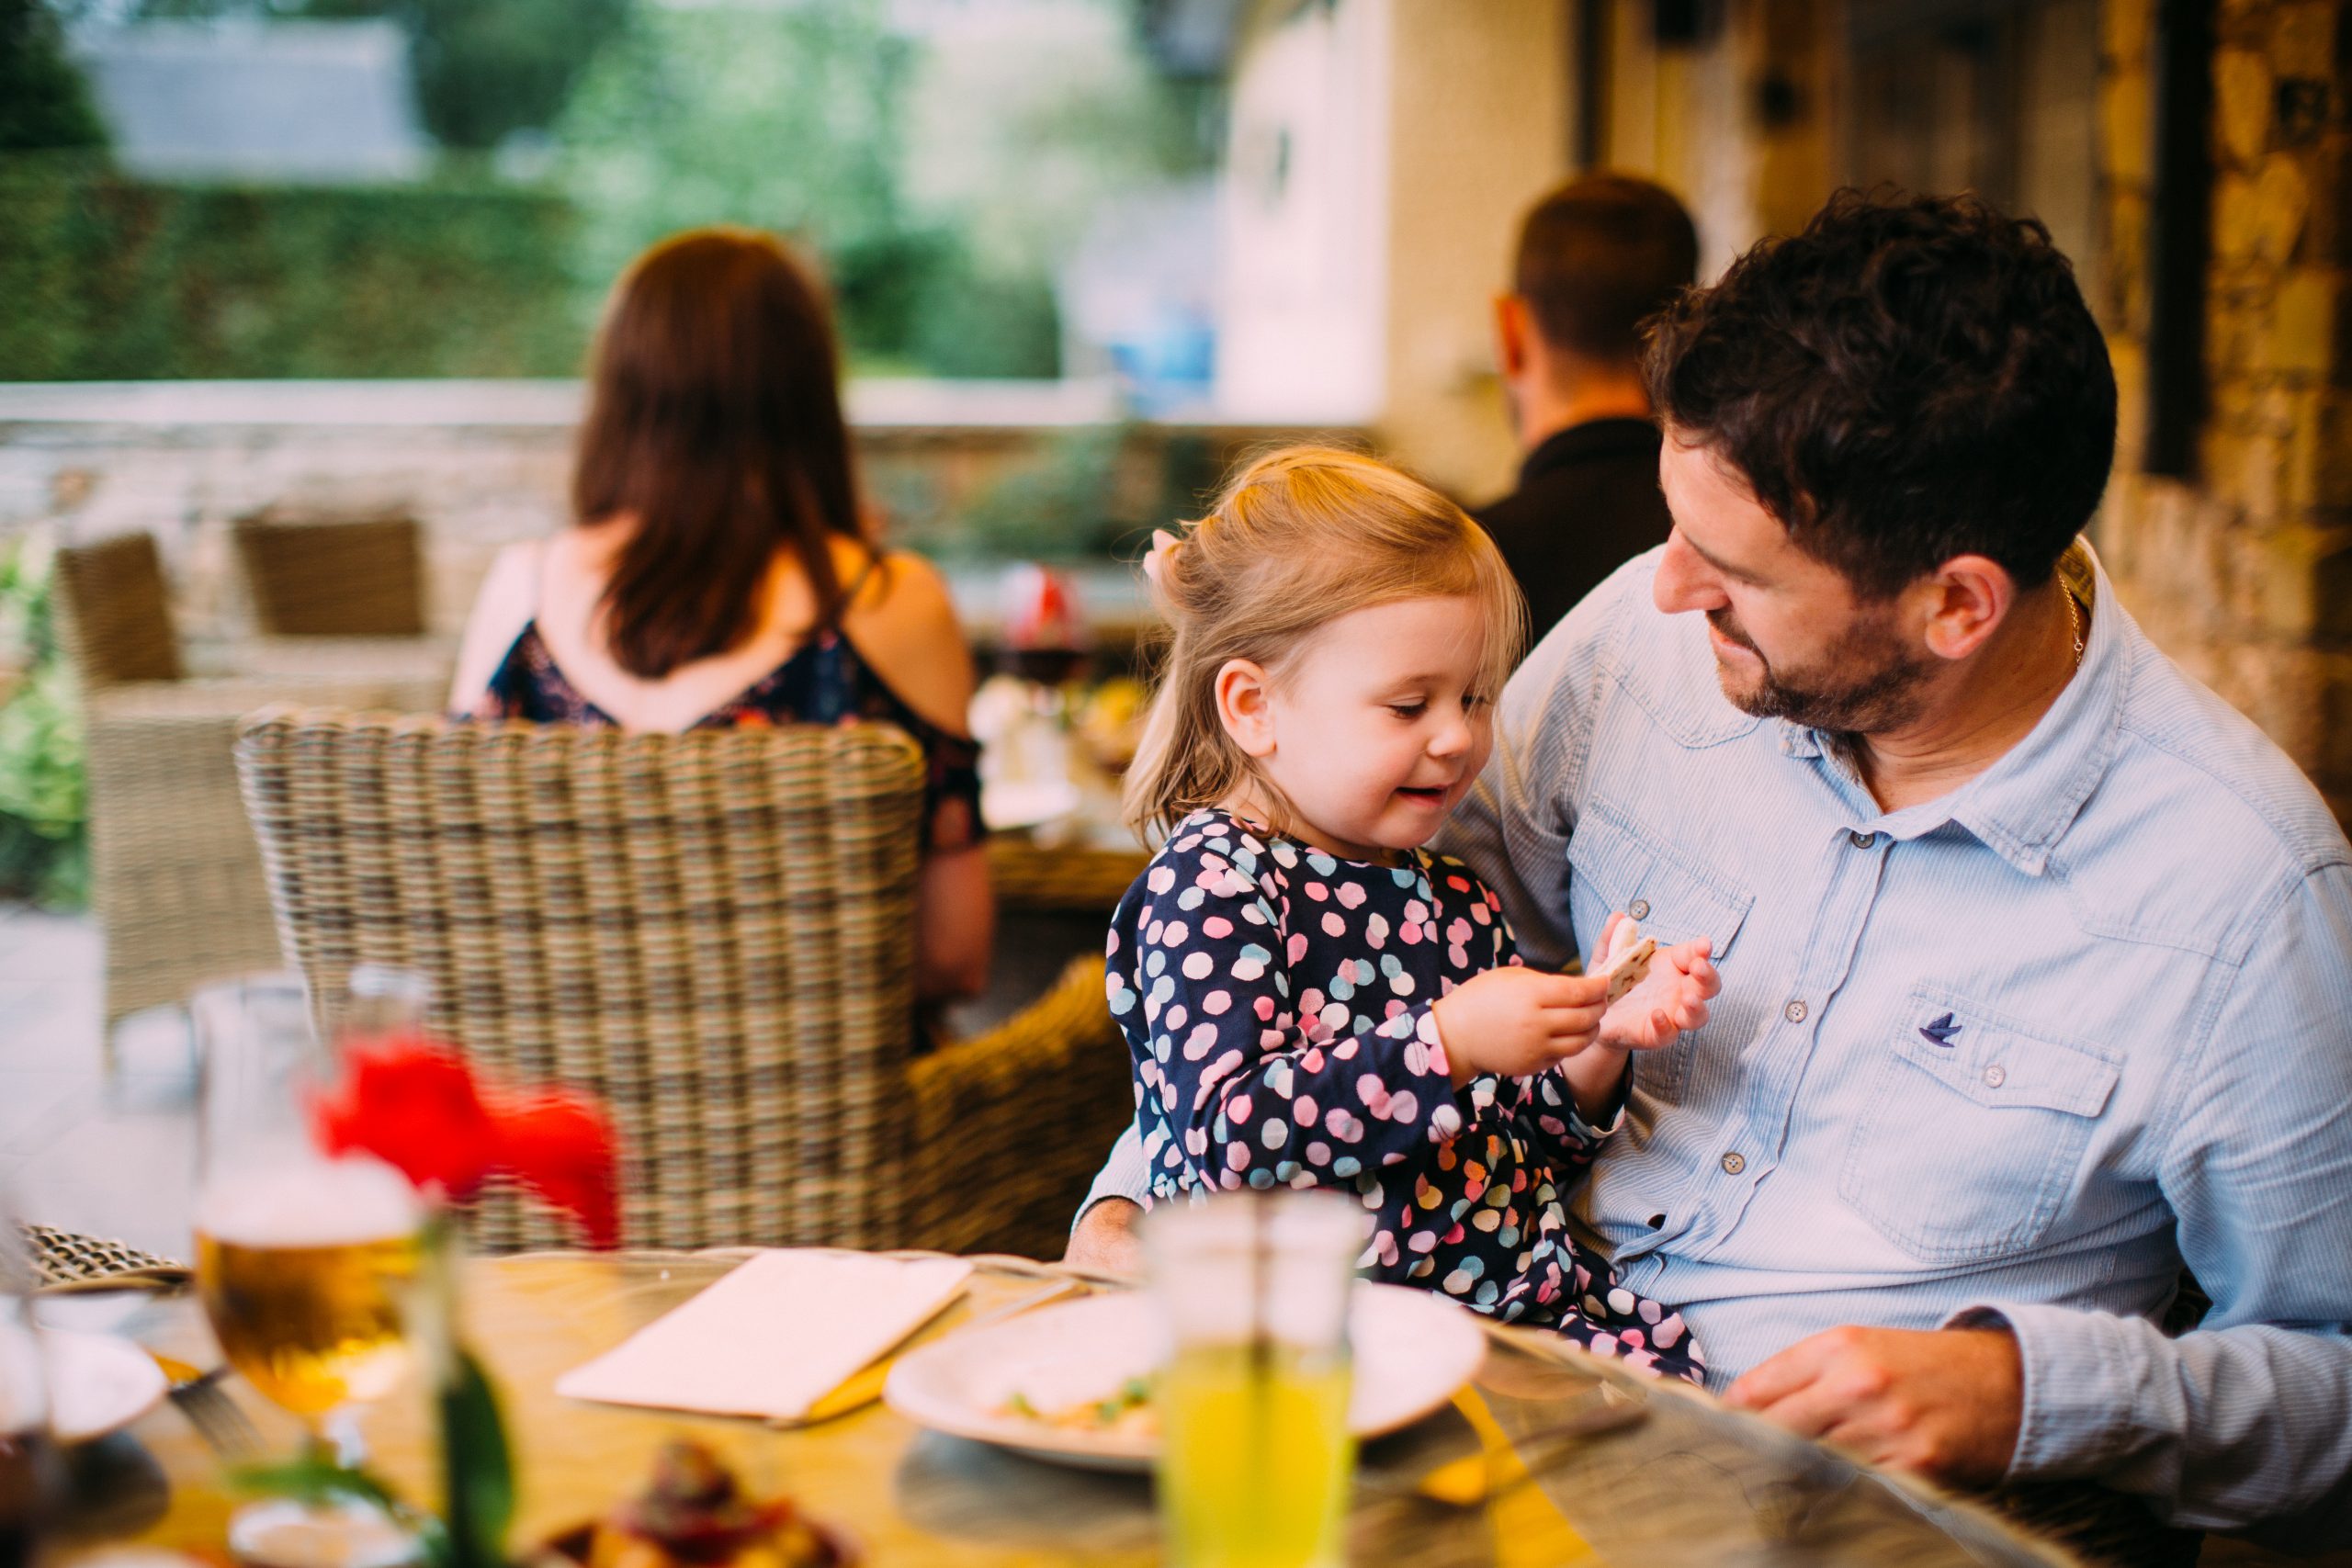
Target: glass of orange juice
(1251, 1291)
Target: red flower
(417, 1110)
(562, 1147)
(420, 1109)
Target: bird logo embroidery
(1940, 1031)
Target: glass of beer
(1251, 1291)
(305, 1263)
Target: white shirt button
(1861, 839)
(1639, 908)
(1793, 1013)
(1995, 1075)
(1733, 1164)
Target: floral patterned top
(824, 682)
(1277, 1002)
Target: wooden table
(1690, 1485)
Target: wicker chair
(67, 1261)
(1063, 881)
(176, 878)
(334, 578)
(712, 932)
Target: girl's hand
(1515, 1021)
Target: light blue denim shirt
(2017, 1052)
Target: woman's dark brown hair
(715, 420)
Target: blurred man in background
(1595, 257)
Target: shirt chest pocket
(1974, 1133)
(1617, 864)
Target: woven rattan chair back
(362, 577)
(711, 932)
(115, 612)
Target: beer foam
(321, 1203)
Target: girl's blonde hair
(1298, 538)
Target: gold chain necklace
(2074, 622)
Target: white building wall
(1303, 275)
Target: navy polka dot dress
(1276, 1003)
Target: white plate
(97, 1384)
(1412, 1351)
(1005, 807)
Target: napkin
(773, 1337)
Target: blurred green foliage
(107, 277)
(44, 103)
(44, 853)
(1089, 493)
(939, 175)
(789, 119)
(484, 69)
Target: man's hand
(1670, 1001)
(1945, 1403)
(1105, 1240)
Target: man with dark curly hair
(2036, 957)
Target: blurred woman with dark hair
(720, 571)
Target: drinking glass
(304, 1263)
(1252, 1290)
(31, 1475)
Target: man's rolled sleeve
(1124, 1175)
(2220, 1428)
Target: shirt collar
(1593, 438)
(2022, 805)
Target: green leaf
(317, 1477)
(479, 1469)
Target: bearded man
(2036, 957)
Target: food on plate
(1128, 1412)
(695, 1515)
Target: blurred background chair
(176, 878)
(329, 577)
(713, 932)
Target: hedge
(106, 276)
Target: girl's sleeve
(1263, 1082)
(1547, 1120)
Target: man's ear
(1965, 603)
(1512, 327)
(1244, 706)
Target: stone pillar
(2244, 573)
(1477, 131)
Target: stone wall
(484, 464)
(2245, 573)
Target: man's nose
(1683, 582)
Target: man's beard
(1867, 683)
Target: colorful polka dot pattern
(1277, 1004)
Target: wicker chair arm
(228, 698)
(419, 667)
(1010, 1126)
(1031, 879)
